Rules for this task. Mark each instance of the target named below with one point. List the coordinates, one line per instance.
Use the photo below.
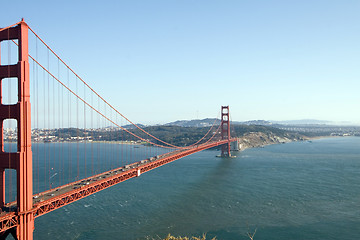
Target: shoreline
(249, 140)
(259, 141)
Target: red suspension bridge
(38, 178)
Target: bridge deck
(58, 197)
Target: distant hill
(256, 122)
(207, 122)
(130, 126)
(177, 135)
(303, 122)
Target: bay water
(298, 190)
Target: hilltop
(182, 133)
(307, 127)
(180, 136)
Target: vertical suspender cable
(53, 145)
(48, 113)
(122, 144)
(110, 141)
(33, 113)
(85, 135)
(44, 112)
(60, 104)
(37, 117)
(92, 137)
(99, 164)
(69, 126)
(106, 165)
(77, 130)
(117, 156)
(63, 136)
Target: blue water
(298, 190)
(57, 164)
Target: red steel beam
(23, 218)
(8, 221)
(11, 220)
(84, 191)
(21, 161)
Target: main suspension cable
(141, 129)
(93, 108)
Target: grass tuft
(203, 237)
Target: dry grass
(169, 237)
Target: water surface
(298, 190)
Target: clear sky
(161, 61)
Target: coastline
(249, 140)
(260, 139)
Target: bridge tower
(21, 160)
(225, 131)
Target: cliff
(259, 139)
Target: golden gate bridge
(36, 180)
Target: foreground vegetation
(170, 237)
(203, 237)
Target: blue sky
(161, 61)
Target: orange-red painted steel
(84, 191)
(22, 218)
(21, 161)
(136, 169)
(225, 131)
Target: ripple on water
(288, 191)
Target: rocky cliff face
(259, 139)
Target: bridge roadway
(58, 197)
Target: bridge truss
(17, 217)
